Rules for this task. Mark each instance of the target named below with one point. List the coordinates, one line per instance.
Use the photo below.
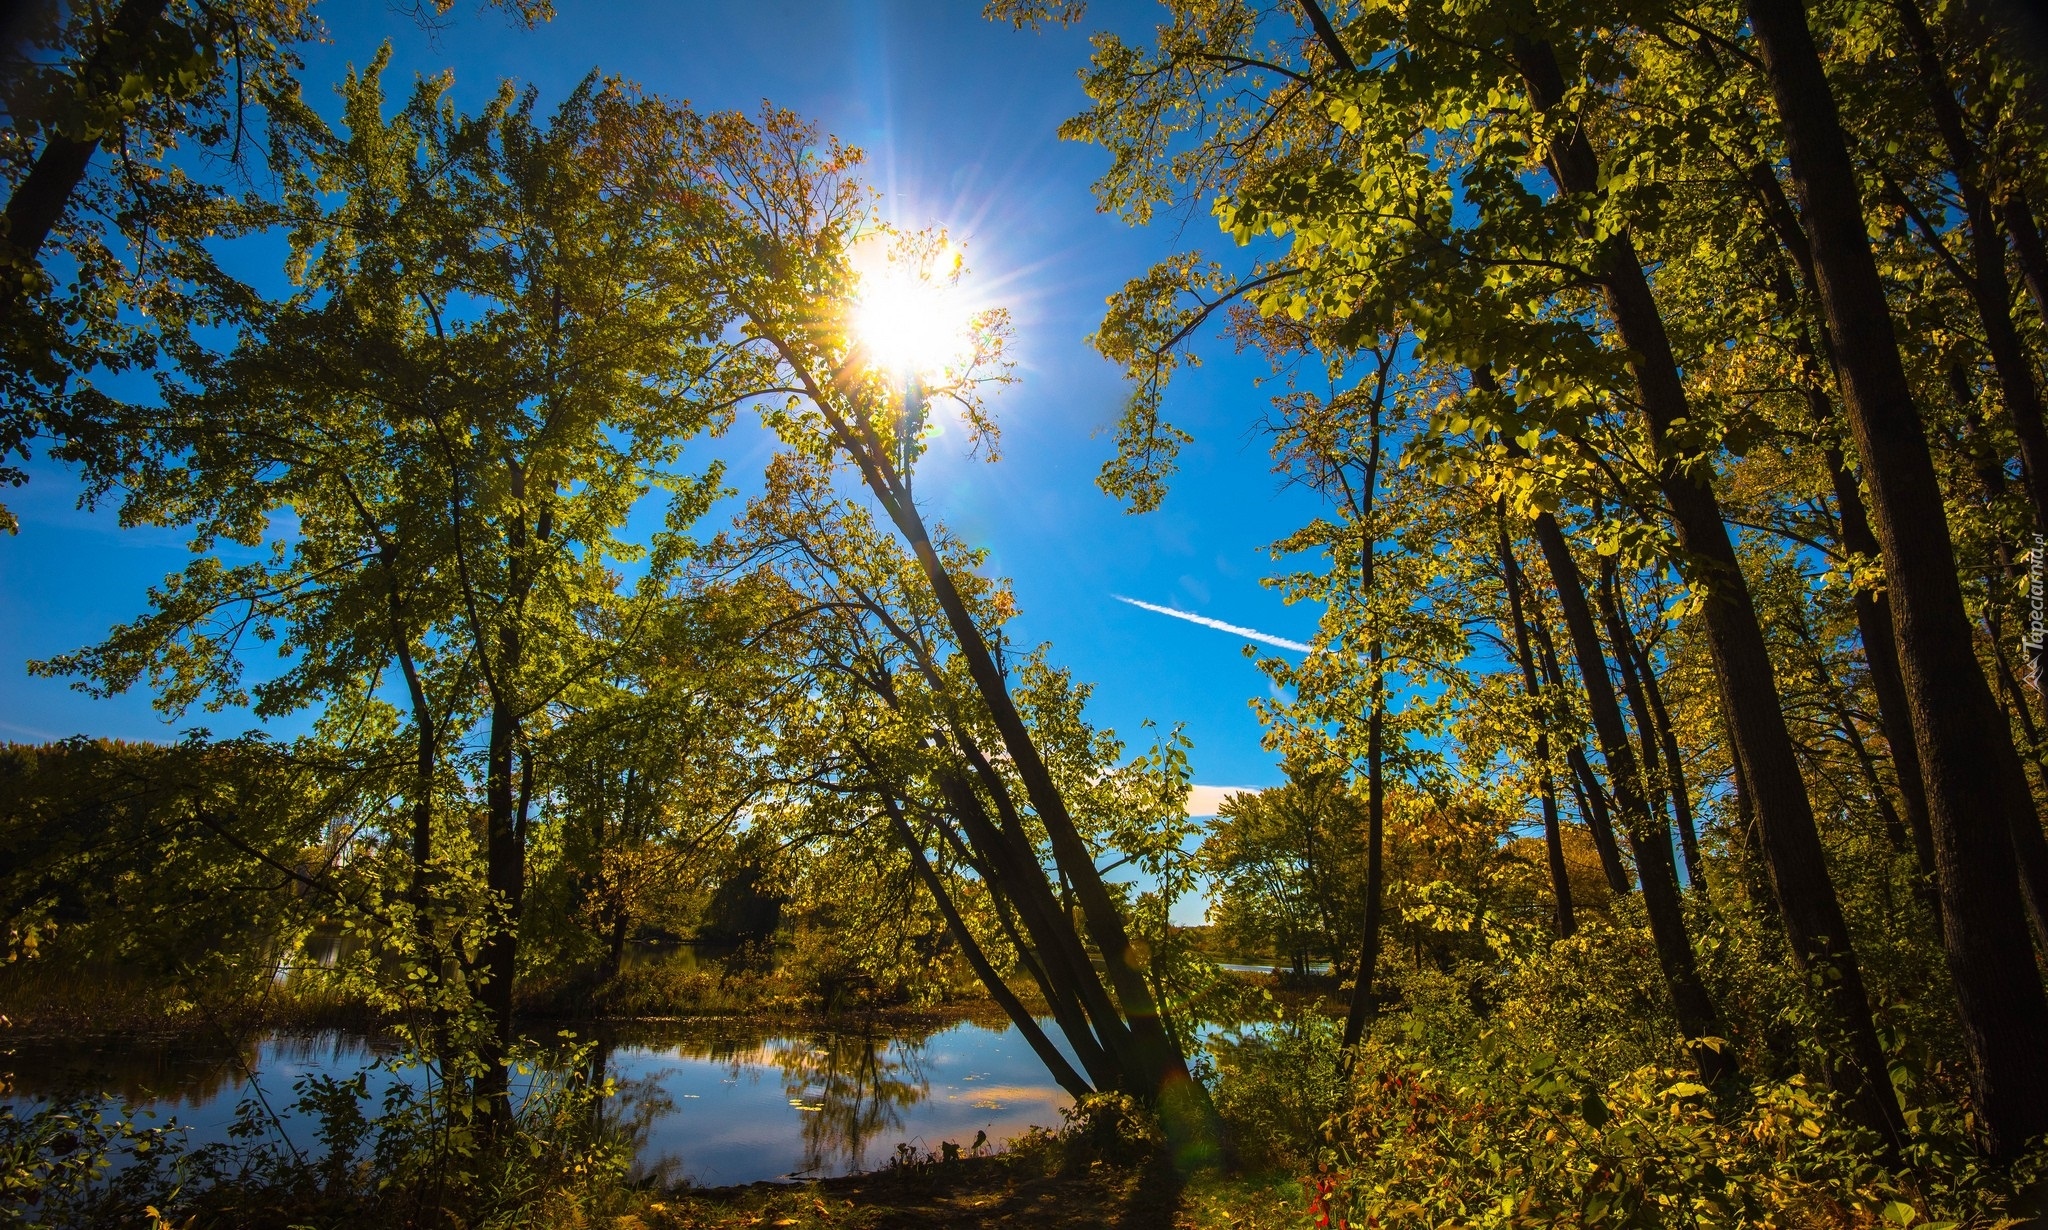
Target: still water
(705, 1102)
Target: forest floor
(1031, 1186)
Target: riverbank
(1045, 1181)
(114, 1003)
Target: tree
(116, 106)
(196, 864)
(1977, 792)
(885, 730)
(774, 219)
(1308, 133)
(485, 362)
(1284, 866)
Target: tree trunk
(1881, 656)
(1871, 605)
(1985, 282)
(615, 948)
(1655, 781)
(2029, 844)
(1158, 1072)
(1362, 1006)
(1071, 987)
(1649, 842)
(999, 990)
(1553, 836)
(1757, 878)
(1975, 795)
(1592, 799)
(1661, 729)
(38, 201)
(1681, 792)
(426, 757)
(504, 877)
(1592, 802)
(1066, 1007)
(2026, 240)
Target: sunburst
(910, 312)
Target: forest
(1661, 839)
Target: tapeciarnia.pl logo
(2037, 611)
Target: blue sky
(958, 118)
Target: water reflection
(177, 1074)
(706, 1102)
(850, 1089)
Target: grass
(52, 1000)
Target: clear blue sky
(958, 117)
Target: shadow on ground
(1016, 1190)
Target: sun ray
(911, 314)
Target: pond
(708, 1102)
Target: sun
(910, 312)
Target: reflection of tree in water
(849, 1088)
(631, 1112)
(172, 1075)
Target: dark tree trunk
(1362, 1003)
(1985, 280)
(1592, 800)
(1872, 607)
(2026, 240)
(999, 990)
(1654, 721)
(1648, 841)
(504, 877)
(426, 756)
(2029, 844)
(1975, 794)
(615, 944)
(1067, 1011)
(38, 201)
(1156, 1071)
(1681, 792)
(1071, 985)
(1757, 879)
(1622, 637)
(1881, 656)
(1553, 836)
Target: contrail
(1248, 633)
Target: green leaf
(1593, 1110)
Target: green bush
(430, 1147)
(1277, 1086)
(1112, 1128)
(1518, 1137)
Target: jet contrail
(1248, 633)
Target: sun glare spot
(910, 312)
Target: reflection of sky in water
(704, 1102)
(827, 1104)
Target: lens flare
(911, 315)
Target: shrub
(1521, 1138)
(1277, 1086)
(84, 1162)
